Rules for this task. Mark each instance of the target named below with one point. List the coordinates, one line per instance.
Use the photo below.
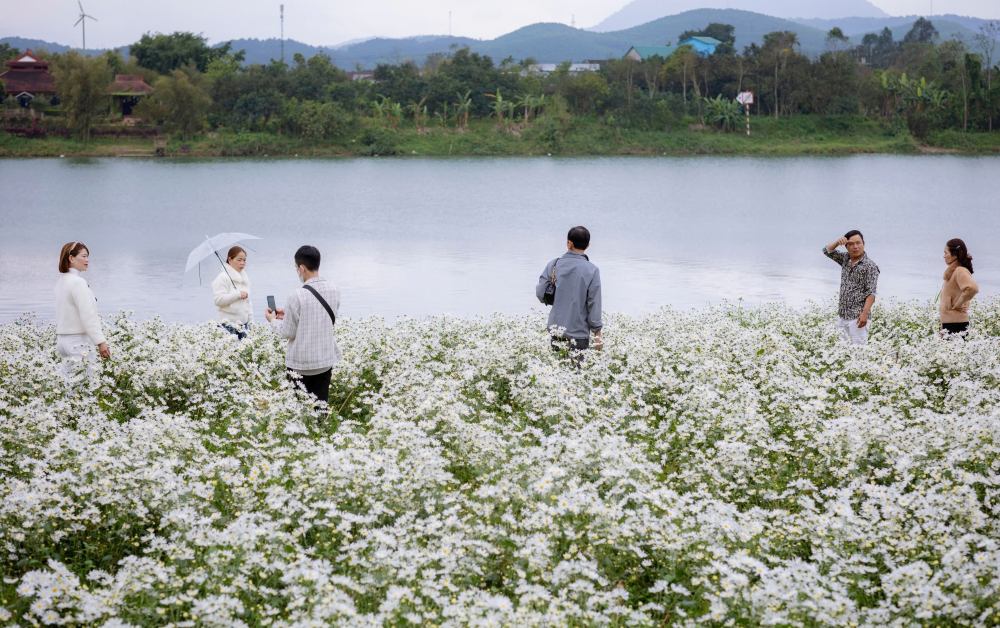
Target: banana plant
(499, 106)
(463, 107)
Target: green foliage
(82, 86)
(922, 32)
(316, 120)
(7, 52)
(379, 142)
(179, 103)
(586, 93)
(165, 53)
(723, 113)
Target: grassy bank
(802, 135)
(719, 467)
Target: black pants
(316, 385)
(955, 328)
(564, 343)
(240, 330)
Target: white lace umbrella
(211, 246)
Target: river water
(417, 237)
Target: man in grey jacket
(576, 309)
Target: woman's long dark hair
(957, 248)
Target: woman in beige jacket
(959, 287)
(78, 327)
(231, 293)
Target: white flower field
(727, 466)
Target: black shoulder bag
(322, 301)
(549, 296)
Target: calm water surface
(416, 237)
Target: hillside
(642, 11)
(554, 43)
(949, 26)
(750, 28)
(25, 43)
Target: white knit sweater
(232, 309)
(76, 308)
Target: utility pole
(282, 11)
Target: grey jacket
(577, 308)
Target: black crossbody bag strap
(322, 301)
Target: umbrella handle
(225, 270)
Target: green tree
(311, 80)
(836, 40)
(179, 103)
(986, 41)
(82, 84)
(585, 93)
(922, 32)
(778, 48)
(878, 51)
(8, 52)
(316, 120)
(165, 53)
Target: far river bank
(803, 135)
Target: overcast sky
(327, 22)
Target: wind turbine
(82, 21)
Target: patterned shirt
(857, 282)
(312, 346)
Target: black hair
(307, 256)
(957, 248)
(580, 238)
(854, 232)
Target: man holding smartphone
(307, 322)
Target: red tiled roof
(28, 74)
(129, 85)
(28, 61)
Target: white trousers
(852, 333)
(79, 356)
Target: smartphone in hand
(271, 305)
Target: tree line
(919, 82)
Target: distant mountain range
(642, 11)
(554, 43)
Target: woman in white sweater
(231, 291)
(78, 327)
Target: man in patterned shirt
(858, 282)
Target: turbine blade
(78, 21)
(80, 4)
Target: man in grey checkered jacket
(307, 321)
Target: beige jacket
(76, 308)
(232, 309)
(956, 279)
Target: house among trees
(544, 69)
(28, 78)
(703, 46)
(126, 91)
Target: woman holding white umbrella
(231, 293)
(231, 288)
